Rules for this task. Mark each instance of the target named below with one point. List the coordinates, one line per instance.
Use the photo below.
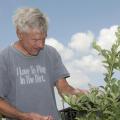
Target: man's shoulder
(51, 49)
(4, 51)
(51, 53)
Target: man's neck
(17, 45)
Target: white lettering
(31, 75)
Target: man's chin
(35, 54)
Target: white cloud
(91, 63)
(107, 37)
(81, 42)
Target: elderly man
(29, 70)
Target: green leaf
(95, 46)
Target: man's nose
(40, 44)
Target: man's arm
(9, 111)
(64, 88)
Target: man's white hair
(26, 18)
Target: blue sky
(73, 24)
(66, 16)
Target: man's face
(32, 41)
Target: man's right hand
(35, 116)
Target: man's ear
(19, 34)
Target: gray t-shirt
(28, 82)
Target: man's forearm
(65, 89)
(9, 111)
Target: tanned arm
(64, 88)
(9, 111)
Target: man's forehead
(36, 32)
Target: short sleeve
(4, 82)
(60, 70)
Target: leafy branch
(102, 103)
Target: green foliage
(102, 103)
